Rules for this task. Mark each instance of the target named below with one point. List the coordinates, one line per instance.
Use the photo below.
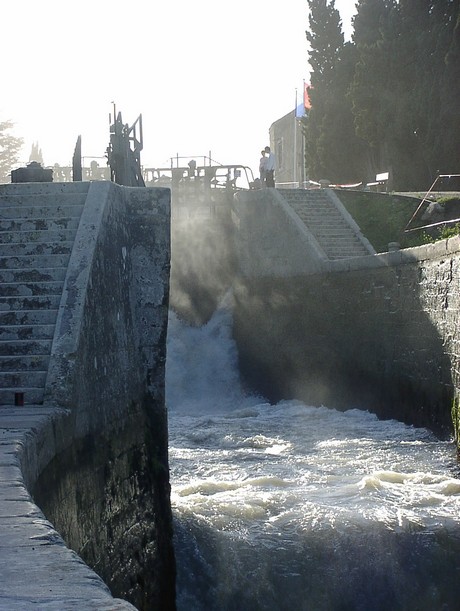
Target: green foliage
(447, 142)
(455, 413)
(382, 218)
(448, 200)
(388, 101)
(333, 150)
(449, 231)
(9, 150)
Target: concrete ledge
(271, 239)
(406, 256)
(37, 569)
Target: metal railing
(425, 199)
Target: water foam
(272, 501)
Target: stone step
(342, 248)
(8, 213)
(345, 253)
(342, 242)
(12, 289)
(25, 347)
(336, 235)
(31, 395)
(306, 205)
(28, 317)
(43, 188)
(42, 236)
(35, 248)
(323, 218)
(34, 261)
(327, 224)
(49, 274)
(31, 363)
(50, 204)
(341, 256)
(39, 224)
(331, 230)
(314, 204)
(27, 332)
(319, 214)
(23, 379)
(29, 302)
(311, 203)
(342, 245)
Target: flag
(299, 110)
(306, 96)
(305, 103)
(299, 105)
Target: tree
(9, 150)
(448, 133)
(427, 27)
(388, 101)
(325, 38)
(332, 148)
(398, 87)
(372, 92)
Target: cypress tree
(447, 137)
(401, 85)
(372, 92)
(332, 149)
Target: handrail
(406, 230)
(207, 159)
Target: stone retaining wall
(99, 468)
(378, 332)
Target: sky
(209, 78)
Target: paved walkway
(37, 570)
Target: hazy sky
(206, 76)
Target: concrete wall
(270, 239)
(98, 465)
(378, 332)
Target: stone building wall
(287, 142)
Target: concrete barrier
(94, 456)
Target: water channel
(300, 508)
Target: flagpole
(295, 138)
(302, 141)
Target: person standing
(262, 163)
(269, 168)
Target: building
(287, 142)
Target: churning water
(292, 507)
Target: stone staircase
(38, 224)
(336, 237)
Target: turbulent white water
(294, 507)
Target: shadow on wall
(356, 339)
(107, 488)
